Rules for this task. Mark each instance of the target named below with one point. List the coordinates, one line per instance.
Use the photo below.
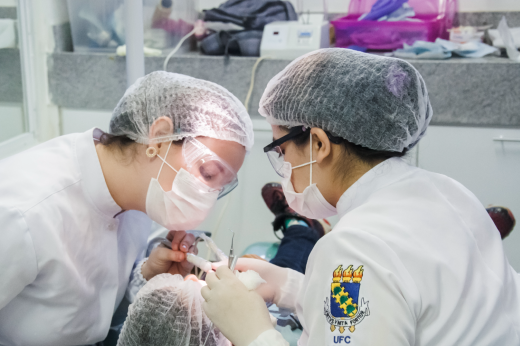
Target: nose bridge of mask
(308, 163)
(164, 161)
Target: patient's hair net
(377, 102)
(196, 108)
(168, 311)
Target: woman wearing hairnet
(72, 210)
(414, 259)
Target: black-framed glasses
(275, 154)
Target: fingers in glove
(206, 293)
(215, 265)
(212, 280)
(224, 273)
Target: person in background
(75, 211)
(415, 258)
(300, 233)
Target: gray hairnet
(168, 311)
(377, 102)
(196, 108)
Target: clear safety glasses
(208, 167)
(275, 153)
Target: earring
(151, 152)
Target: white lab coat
(435, 272)
(65, 258)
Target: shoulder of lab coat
(18, 264)
(386, 288)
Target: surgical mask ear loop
(308, 163)
(311, 160)
(164, 161)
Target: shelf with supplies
(463, 92)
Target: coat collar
(384, 174)
(93, 180)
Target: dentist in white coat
(73, 210)
(415, 258)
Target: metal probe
(232, 259)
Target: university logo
(344, 308)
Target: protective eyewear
(208, 167)
(275, 153)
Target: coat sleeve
(137, 281)
(357, 291)
(18, 264)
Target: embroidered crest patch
(344, 308)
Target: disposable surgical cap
(377, 102)
(196, 108)
(168, 311)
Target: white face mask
(185, 206)
(311, 202)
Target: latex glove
(240, 314)
(274, 276)
(164, 260)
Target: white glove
(275, 277)
(240, 314)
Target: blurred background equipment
(250, 15)
(291, 39)
(99, 25)
(387, 25)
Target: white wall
(8, 3)
(489, 5)
(11, 120)
(80, 120)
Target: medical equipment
(232, 259)
(200, 262)
(197, 261)
(337, 90)
(289, 40)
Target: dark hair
(121, 143)
(365, 155)
(124, 144)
